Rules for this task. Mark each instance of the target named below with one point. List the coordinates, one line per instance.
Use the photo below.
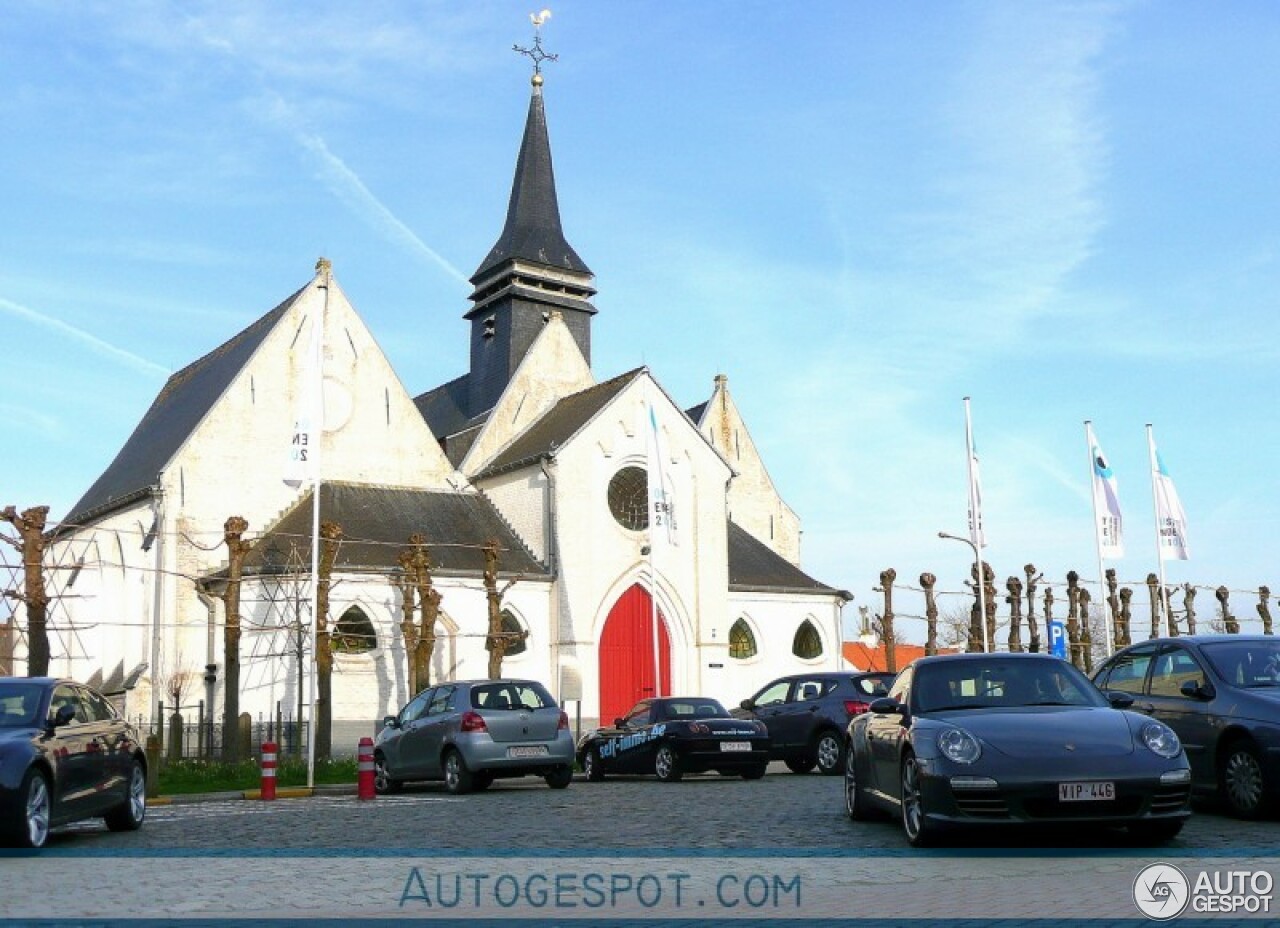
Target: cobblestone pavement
(782, 811)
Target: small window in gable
(742, 644)
(511, 626)
(354, 633)
(807, 643)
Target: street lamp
(981, 587)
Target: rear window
(18, 703)
(874, 686)
(521, 695)
(681, 709)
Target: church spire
(532, 270)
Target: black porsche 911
(675, 735)
(978, 740)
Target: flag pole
(975, 529)
(1155, 507)
(651, 451)
(1097, 542)
(317, 431)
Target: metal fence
(189, 732)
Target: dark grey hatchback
(807, 714)
(1221, 695)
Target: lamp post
(981, 587)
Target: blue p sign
(1058, 640)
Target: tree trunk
(927, 581)
(237, 548)
(1153, 594)
(1119, 620)
(330, 537)
(1033, 632)
(1228, 620)
(1086, 631)
(30, 525)
(886, 623)
(1073, 618)
(1264, 609)
(408, 630)
(429, 605)
(1189, 604)
(496, 641)
(1014, 599)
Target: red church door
(626, 654)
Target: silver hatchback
(469, 732)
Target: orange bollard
(268, 770)
(364, 770)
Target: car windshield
(19, 701)
(684, 709)
(511, 695)
(1245, 663)
(997, 683)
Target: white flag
(977, 534)
(662, 509)
(304, 443)
(1171, 521)
(1106, 502)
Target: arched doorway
(626, 654)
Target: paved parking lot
(782, 811)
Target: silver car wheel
(38, 809)
(852, 796)
(666, 764)
(138, 794)
(912, 804)
(828, 753)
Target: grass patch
(199, 776)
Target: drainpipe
(547, 464)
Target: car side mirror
(619, 723)
(390, 722)
(886, 705)
(62, 717)
(747, 704)
(1193, 690)
(1119, 700)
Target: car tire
(1151, 833)
(828, 751)
(666, 764)
(800, 764)
(755, 773)
(855, 804)
(559, 777)
(914, 821)
(1240, 780)
(128, 816)
(591, 765)
(457, 778)
(384, 784)
(35, 805)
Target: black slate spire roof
(533, 231)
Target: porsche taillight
(472, 721)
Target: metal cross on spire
(536, 53)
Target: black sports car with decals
(675, 735)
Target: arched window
(511, 626)
(742, 644)
(807, 643)
(354, 633)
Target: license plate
(735, 745)
(1086, 792)
(531, 750)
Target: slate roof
(533, 230)
(695, 412)
(754, 566)
(558, 425)
(377, 522)
(180, 406)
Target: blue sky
(860, 212)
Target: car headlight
(958, 745)
(1160, 739)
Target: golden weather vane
(536, 53)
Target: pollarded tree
(237, 549)
(31, 543)
(886, 621)
(330, 539)
(927, 582)
(498, 639)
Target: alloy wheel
(912, 803)
(38, 810)
(828, 754)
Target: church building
(527, 448)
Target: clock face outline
(628, 497)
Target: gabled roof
(560, 424)
(533, 231)
(695, 412)
(180, 406)
(376, 525)
(754, 566)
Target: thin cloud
(95, 344)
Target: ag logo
(1161, 891)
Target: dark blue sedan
(1221, 694)
(65, 755)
